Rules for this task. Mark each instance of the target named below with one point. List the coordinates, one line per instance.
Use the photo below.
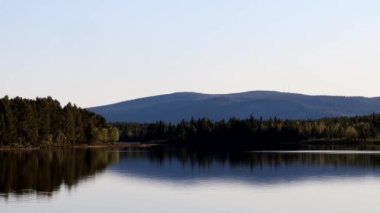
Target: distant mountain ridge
(266, 104)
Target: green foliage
(109, 134)
(43, 121)
(113, 134)
(351, 133)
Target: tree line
(44, 122)
(255, 130)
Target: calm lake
(146, 180)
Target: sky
(96, 52)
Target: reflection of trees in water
(196, 158)
(44, 171)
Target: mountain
(266, 104)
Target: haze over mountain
(266, 104)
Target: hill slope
(177, 106)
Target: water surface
(145, 180)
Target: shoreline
(368, 145)
(119, 145)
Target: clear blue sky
(94, 52)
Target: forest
(44, 122)
(255, 131)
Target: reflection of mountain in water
(45, 171)
(264, 168)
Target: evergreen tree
(9, 134)
(2, 128)
(69, 124)
(44, 121)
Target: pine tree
(2, 128)
(44, 121)
(9, 134)
(69, 124)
